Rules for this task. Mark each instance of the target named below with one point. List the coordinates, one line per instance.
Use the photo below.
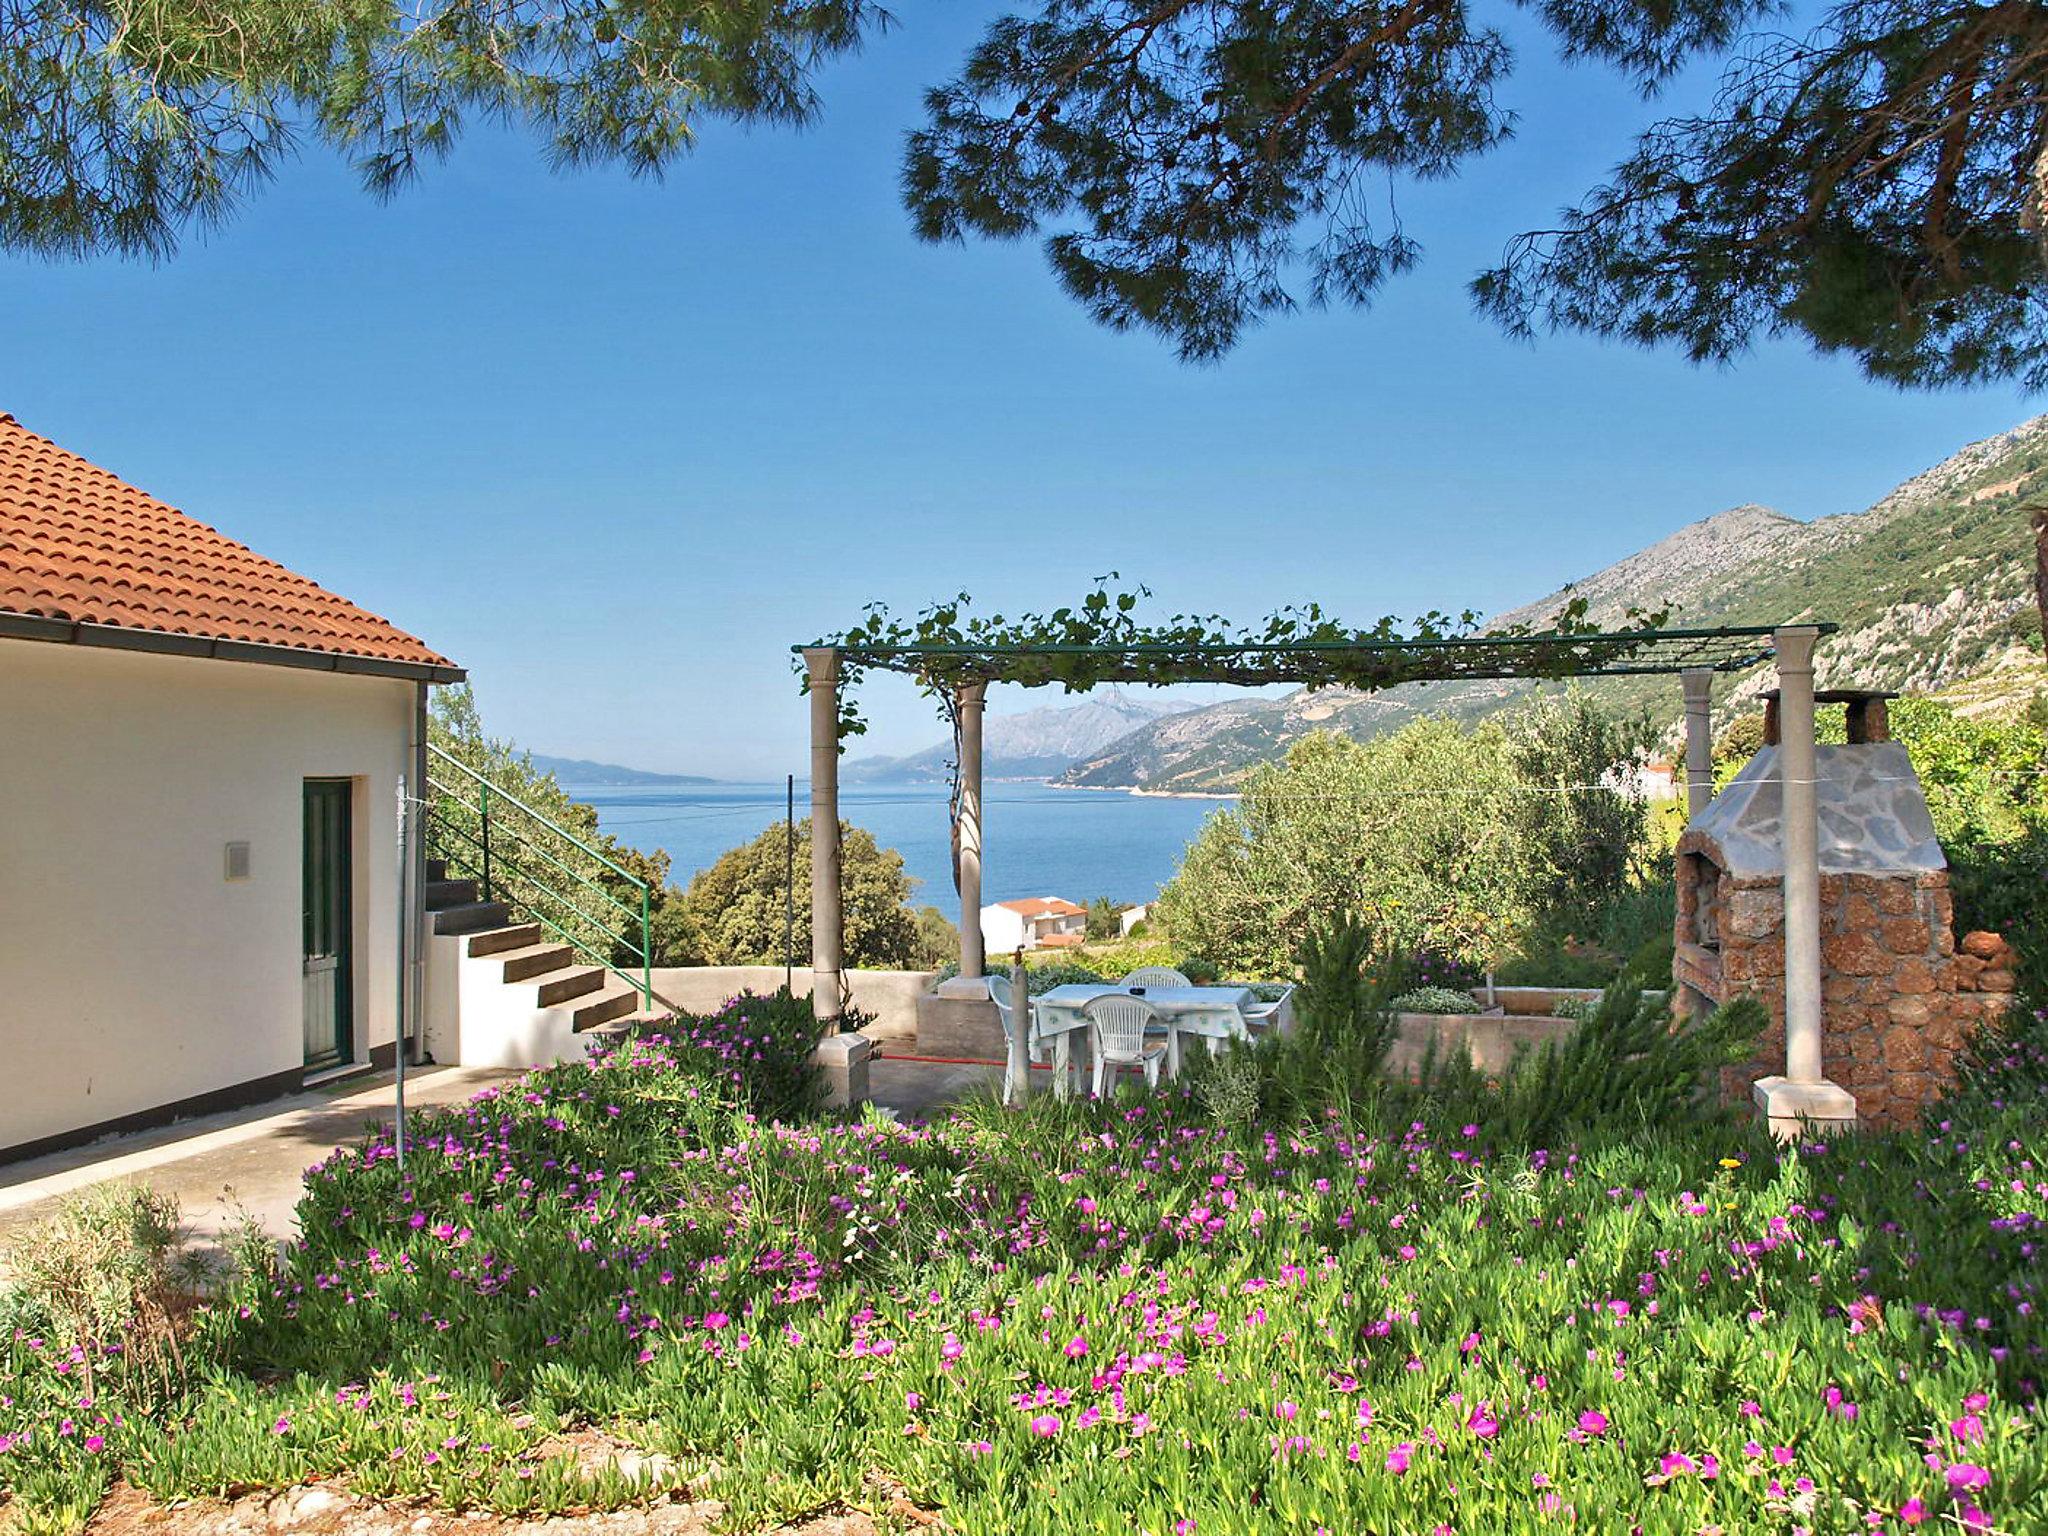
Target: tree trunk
(2041, 570)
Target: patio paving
(243, 1161)
(914, 1089)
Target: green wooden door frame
(327, 922)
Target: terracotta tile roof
(1043, 906)
(81, 545)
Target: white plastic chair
(1155, 976)
(1116, 1037)
(1276, 1016)
(1002, 991)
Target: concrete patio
(221, 1167)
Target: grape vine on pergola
(1101, 642)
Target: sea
(1036, 840)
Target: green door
(329, 924)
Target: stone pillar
(1699, 739)
(1803, 1095)
(827, 923)
(971, 700)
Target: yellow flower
(1731, 1162)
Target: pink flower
(1285, 1411)
(1046, 1425)
(1676, 1464)
(1364, 1411)
(1076, 1347)
(1398, 1458)
(1969, 1428)
(95, 1443)
(1912, 1512)
(1482, 1422)
(1593, 1422)
(282, 1427)
(1967, 1477)
(912, 1402)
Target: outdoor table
(1214, 1012)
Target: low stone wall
(889, 997)
(1537, 1001)
(1489, 1040)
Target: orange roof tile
(1042, 906)
(81, 545)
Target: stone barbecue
(1899, 997)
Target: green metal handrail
(489, 854)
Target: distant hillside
(1930, 586)
(1035, 744)
(583, 773)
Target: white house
(200, 754)
(1037, 922)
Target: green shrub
(1434, 1000)
(1441, 835)
(760, 1048)
(1627, 1066)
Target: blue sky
(614, 445)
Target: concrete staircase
(590, 1000)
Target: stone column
(827, 922)
(1803, 1095)
(971, 700)
(1699, 739)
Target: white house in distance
(200, 756)
(1037, 922)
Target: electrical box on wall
(238, 861)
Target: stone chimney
(1898, 999)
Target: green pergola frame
(1355, 663)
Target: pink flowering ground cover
(1116, 1317)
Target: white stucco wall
(1002, 930)
(133, 974)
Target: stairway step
(495, 941)
(611, 1001)
(560, 986)
(444, 892)
(613, 1031)
(535, 960)
(473, 917)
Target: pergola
(959, 672)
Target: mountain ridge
(1030, 744)
(584, 773)
(1928, 584)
